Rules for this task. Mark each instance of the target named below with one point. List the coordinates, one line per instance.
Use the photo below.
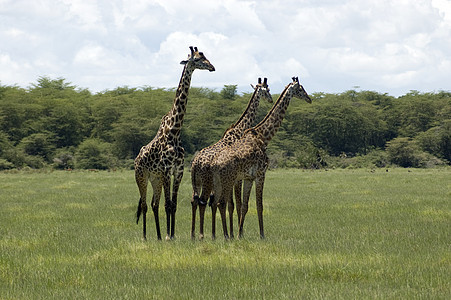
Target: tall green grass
(341, 234)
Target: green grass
(341, 234)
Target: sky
(387, 46)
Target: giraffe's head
(262, 90)
(298, 90)
(198, 60)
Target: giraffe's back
(245, 159)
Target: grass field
(339, 234)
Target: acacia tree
(229, 92)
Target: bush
(38, 144)
(95, 154)
(34, 162)
(437, 141)
(374, 159)
(5, 143)
(311, 157)
(64, 160)
(5, 165)
(405, 152)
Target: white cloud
(86, 14)
(382, 45)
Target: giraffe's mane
(276, 104)
(243, 114)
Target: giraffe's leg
(259, 182)
(142, 208)
(214, 206)
(202, 218)
(171, 203)
(194, 203)
(175, 190)
(196, 183)
(206, 188)
(141, 181)
(156, 186)
(212, 199)
(217, 192)
(230, 207)
(223, 201)
(155, 209)
(222, 210)
(245, 205)
(167, 203)
(237, 189)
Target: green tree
(66, 121)
(437, 140)
(16, 112)
(229, 92)
(39, 144)
(414, 113)
(95, 154)
(405, 152)
(46, 86)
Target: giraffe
(246, 160)
(201, 177)
(163, 157)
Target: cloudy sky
(388, 46)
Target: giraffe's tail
(139, 211)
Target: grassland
(339, 234)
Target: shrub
(95, 154)
(311, 157)
(437, 140)
(374, 159)
(38, 144)
(406, 153)
(5, 165)
(64, 160)
(403, 152)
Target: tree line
(54, 124)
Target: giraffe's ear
(183, 62)
(253, 87)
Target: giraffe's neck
(248, 117)
(268, 127)
(175, 116)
